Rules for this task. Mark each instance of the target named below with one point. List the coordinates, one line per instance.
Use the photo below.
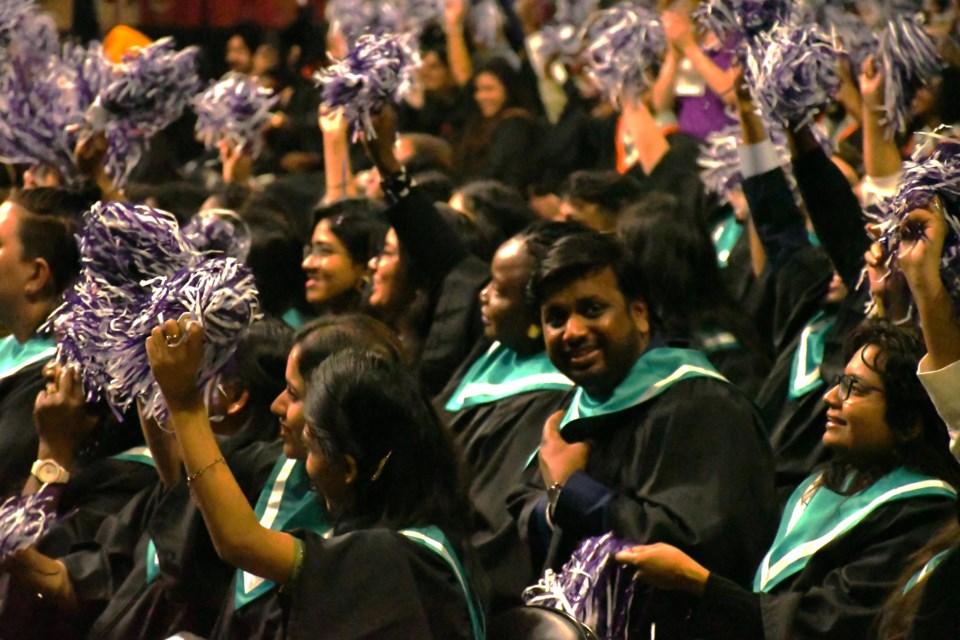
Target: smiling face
(857, 428)
(490, 94)
(288, 406)
(239, 57)
(593, 334)
(331, 272)
(503, 307)
(386, 291)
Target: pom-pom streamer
(623, 43)
(24, 520)
(908, 57)
(377, 71)
(235, 109)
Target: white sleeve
(943, 387)
(757, 158)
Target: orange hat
(123, 39)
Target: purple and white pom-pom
(26, 33)
(908, 58)
(354, 18)
(219, 231)
(719, 162)
(793, 73)
(24, 520)
(856, 38)
(420, 14)
(147, 91)
(623, 43)
(735, 21)
(592, 587)
(485, 22)
(126, 244)
(235, 109)
(220, 294)
(377, 71)
(938, 174)
(33, 118)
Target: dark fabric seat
(537, 623)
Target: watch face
(47, 471)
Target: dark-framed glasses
(848, 385)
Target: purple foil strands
(137, 272)
(235, 109)
(220, 231)
(375, 72)
(792, 72)
(26, 34)
(354, 18)
(592, 587)
(908, 59)
(24, 520)
(736, 21)
(937, 174)
(147, 91)
(623, 43)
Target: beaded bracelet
(194, 476)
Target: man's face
(15, 271)
(593, 334)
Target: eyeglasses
(852, 385)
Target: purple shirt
(701, 115)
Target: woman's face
(386, 291)
(288, 406)
(857, 427)
(331, 272)
(490, 94)
(503, 308)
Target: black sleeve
(835, 212)
(425, 236)
(776, 216)
(729, 610)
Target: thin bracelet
(196, 475)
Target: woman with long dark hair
(379, 457)
(500, 138)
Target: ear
(350, 469)
(41, 277)
(640, 315)
(238, 403)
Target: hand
(175, 350)
(924, 233)
(558, 458)
(237, 163)
(380, 149)
(90, 152)
(871, 84)
(678, 29)
(332, 120)
(453, 13)
(60, 415)
(666, 567)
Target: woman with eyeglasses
(849, 529)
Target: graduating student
(654, 444)
(39, 259)
(379, 457)
(849, 528)
(496, 404)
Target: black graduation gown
(690, 467)
(495, 441)
(796, 424)
(374, 584)
(18, 437)
(841, 590)
(938, 612)
(192, 580)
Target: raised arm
(458, 56)
(237, 535)
(336, 156)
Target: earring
(533, 331)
